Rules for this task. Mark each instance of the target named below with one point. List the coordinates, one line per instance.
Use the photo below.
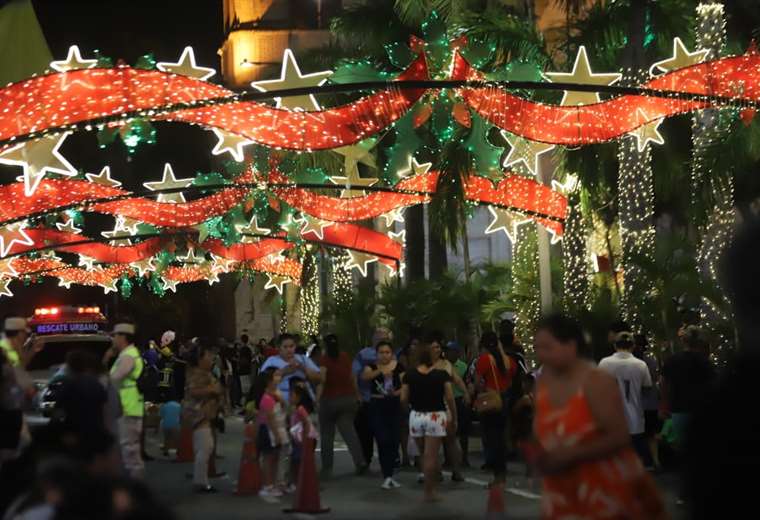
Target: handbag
(489, 401)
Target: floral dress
(617, 487)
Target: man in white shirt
(632, 375)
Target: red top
(614, 486)
(270, 351)
(339, 375)
(485, 372)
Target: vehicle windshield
(54, 353)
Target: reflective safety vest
(10, 352)
(132, 403)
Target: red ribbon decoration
(515, 192)
(52, 194)
(608, 120)
(349, 236)
(67, 98)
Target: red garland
(67, 98)
(515, 192)
(53, 194)
(600, 122)
(349, 236)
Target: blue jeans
(385, 421)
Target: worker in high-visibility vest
(124, 375)
(18, 387)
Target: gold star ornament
(314, 225)
(414, 168)
(582, 75)
(230, 143)
(186, 66)
(276, 282)
(169, 182)
(524, 151)
(291, 77)
(13, 234)
(360, 261)
(4, 290)
(681, 58)
(73, 61)
(647, 132)
(37, 158)
(103, 178)
(506, 221)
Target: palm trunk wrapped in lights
(637, 233)
(526, 288)
(575, 256)
(717, 226)
(341, 278)
(310, 295)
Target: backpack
(147, 381)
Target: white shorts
(427, 424)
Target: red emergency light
(46, 311)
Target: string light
(310, 296)
(635, 213)
(575, 275)
(526, 287)
(708, 127)
(341, 279)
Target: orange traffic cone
(495, 510)
(185, 449)
(307, 490)
(249, 477)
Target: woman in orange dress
(590, 469)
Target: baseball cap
(15, 323)
(124, 328)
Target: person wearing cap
(16, 387)
(633, 377)
(124, 374)
(17, 333)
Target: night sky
(127, 30)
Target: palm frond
(447, 208)
(513, 37)
(366, 27)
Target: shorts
(264, 442)
(652, 423)
(427, 424)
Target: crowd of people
(601, 428)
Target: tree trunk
(414, 223)
(635, 182)
(437, 261)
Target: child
(302, 405)
(170, 413)
(271, 435)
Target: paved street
(350, 497)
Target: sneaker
(395, 484)
(207, 490)
(289, 489)
(420, 478)
(387, 483)
(270, 495)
